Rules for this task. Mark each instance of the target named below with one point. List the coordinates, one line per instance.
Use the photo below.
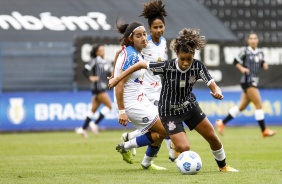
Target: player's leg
(254, 95)
(144, 119)
(105, 99)
(160, 133)
(206, 129)
(90, 114)
(233, 113)
(131, 135)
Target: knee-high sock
(233, 113)
(143, 140)
(259, 116)
(149, 156)
(89, 117)
(220, 157)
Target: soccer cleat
(82, 132)
(153, 167)
(94, 128)
(124, 138)
(268, 133)
(227, 168)
(220, 126)
(171, 159)
(126, 155)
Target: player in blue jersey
(177, 102)
(133, 106)
(156, 50)
(249, 62)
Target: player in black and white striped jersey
(249, 62)
(97, 70)
(177, 102)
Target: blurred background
(44, 46)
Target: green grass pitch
(64, 157)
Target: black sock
(227, 118)
(86, 123)
(261, 125)
(101, 116)
(221, 163)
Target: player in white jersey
(155, 51)
(133, 105)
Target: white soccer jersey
(138, 108)
(153, 52)
(128, 57)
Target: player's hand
(113, 82)
(245, 71)
(217, 95)
(123, 119)
(265, 66)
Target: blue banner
(23, 111)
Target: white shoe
(82, 132)
(124, 138)
(94, 128)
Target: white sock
(147, 161)
(259, 114)
(168, 142)
(90, 114)
(130, 144)
(134, 134)
(105, 110)
(234, 111)
(219, 155)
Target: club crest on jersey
(192, 79)
(171, 125)
(145, 120)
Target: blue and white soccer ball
(189, 162)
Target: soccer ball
(189, 162)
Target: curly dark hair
(188, 41)
(154, 10)
(126, 30)
(93, 52)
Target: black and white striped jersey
(253, 60)
(101, 68)
(176, 96)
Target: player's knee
(182, 147)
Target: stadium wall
(40, 111)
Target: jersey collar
(252, 50)
(177, 66)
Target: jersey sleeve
(90, 65)
(204, 74)
(130, 60)
(158, 68)
(240, 57)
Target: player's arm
(122, 117)
(86, 71)
(139, 65)
(240, 67)
(215, 91)
(238, 62)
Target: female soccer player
(156, 51)
(248, 62)
(177, 102)
(97, 70)
(132, 104)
